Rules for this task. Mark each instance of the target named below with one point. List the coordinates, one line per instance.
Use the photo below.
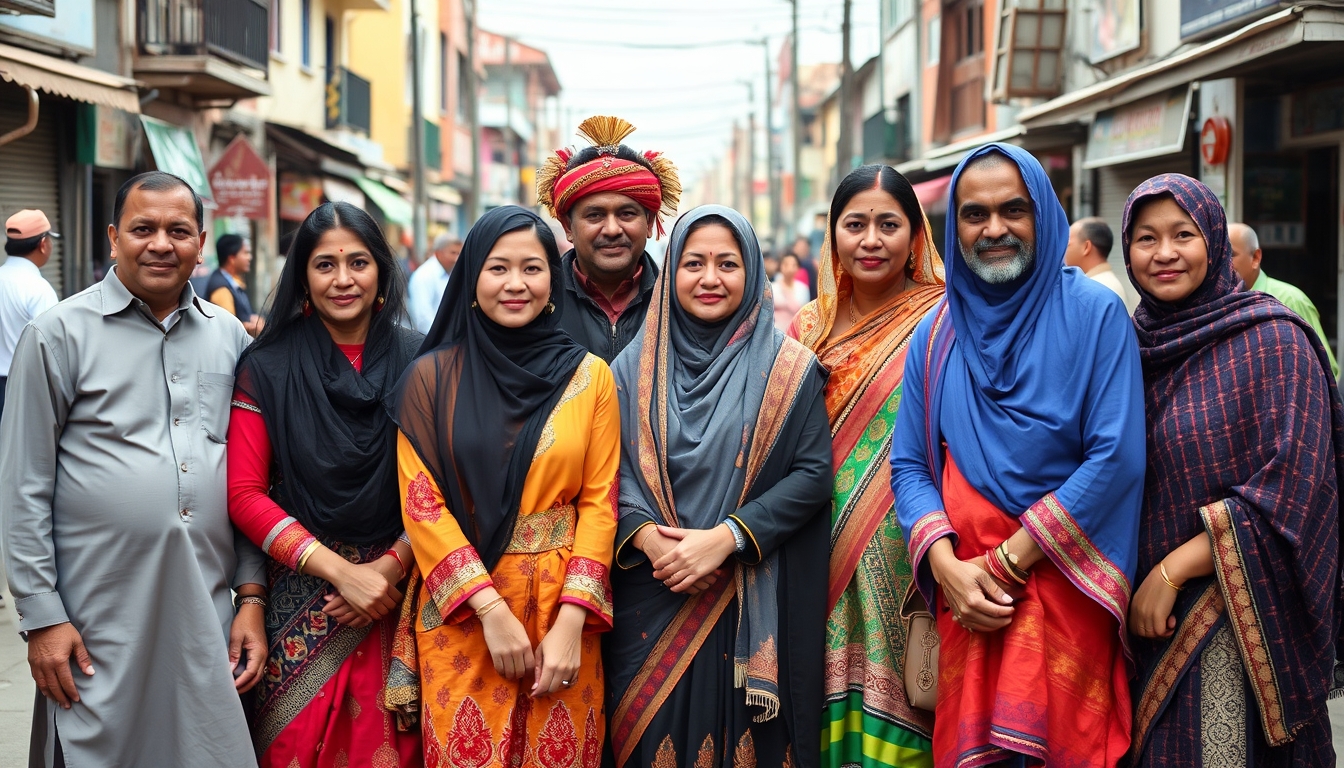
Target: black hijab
(330, 429)
(474, 403)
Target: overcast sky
(622, 58)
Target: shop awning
(396, 208)
(176, 152)
(1216, 58)
(338, 191)
(61, 78)
(444, 194)
(932, 194)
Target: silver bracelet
(739, 538)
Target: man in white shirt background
(24, 293)
(424, 291)
(1090, 242)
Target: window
(277, 10)
(933, 39)
(443, 73)
(971, 41)
(306, 29)
(329, 43)
(463, 87)
(1029, 61)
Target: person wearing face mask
(508, 454)
(725, 483)
(609, 199)
(117, 538)
(313, 482)
(1019, 496)
(1237, 619)
(880, 273)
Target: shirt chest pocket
(214, 391)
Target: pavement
(16, 694)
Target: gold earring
(474, 305)
(550, 307)
(910, 262)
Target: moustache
(985, 243)
(609, 242)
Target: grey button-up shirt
(113, 493)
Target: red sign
(1215, 140)
(241, 181)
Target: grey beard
(997, 274)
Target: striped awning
(72, 81)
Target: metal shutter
(1115, 182)
(29, 172)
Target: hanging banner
(299, 195)
(241, 181)
(175, 151)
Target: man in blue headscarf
(1017, 468)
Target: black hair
(713, 220)
(292, 290)
(889, 180)
(790, 255)
(991, 159)
(22, 246)
(1096, 231)
(228, 246)
(155, 181)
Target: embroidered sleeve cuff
(455, 579)
(588, 584)
(42, 610)
(1067, 545)
(286, 542)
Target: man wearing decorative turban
(609, 198)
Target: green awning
(395, 208)
(175, 152)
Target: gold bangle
(1162, 568)
(1010, 563)
(488, 607)
(307, 553)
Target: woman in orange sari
(879, 274)
(508, 454)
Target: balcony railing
(236, 30)
(349, 103)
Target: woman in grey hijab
(725, 484)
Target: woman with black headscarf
(725, 478)
(1237, 611)
(508, 454)
(312, 480)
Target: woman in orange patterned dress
(508, 454)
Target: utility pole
(736, 174)
(417, 141)
(473, 113)
(771, 177)
(751, 153)
(844, 149)
(797, 131)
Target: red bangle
(995, 568)
(393, 552)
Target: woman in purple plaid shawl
(1238, 614)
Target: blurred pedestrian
(226, 289)
(1246, 256)
(880, 274)
(117, 536)
(508, 457)
(771, 262)
(424, 290)
(790, 294)
(24, 292)
(1090, 242)
(802, 248)
(309, 407)
(1019, 498)
(1236, 611)
(715, 655)
(609, 198)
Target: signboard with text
(241, 181)
(1200, 16)
(1150, 127)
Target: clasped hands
(978, 601)
(554, 663)
(684, 559)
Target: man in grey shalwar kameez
(112, 487)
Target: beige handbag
(920, 666)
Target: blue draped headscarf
(1036, 389)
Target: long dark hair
(290, 294)
(889, 180)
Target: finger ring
(566, 683)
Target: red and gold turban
(560, 187)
